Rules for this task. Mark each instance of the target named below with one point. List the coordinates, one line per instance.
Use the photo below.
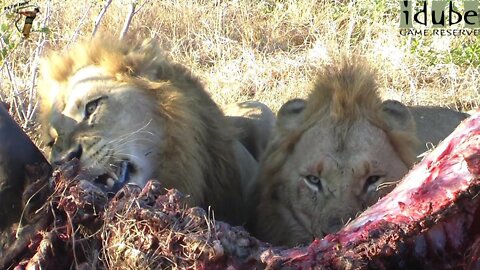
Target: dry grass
(261, 50)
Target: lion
(433, 124)
(129, 115)
(332, 155)
(254, 122)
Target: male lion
(254, 122)
(337, 152)
(332, 159)
(129, 115)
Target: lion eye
(91, 107)
(371, 181)
(314, 180)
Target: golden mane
(344, 92)
(125, 60)
(198, 152)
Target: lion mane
(196, 150)
(344, 93)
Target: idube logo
(442, 18)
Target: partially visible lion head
(129, 114)
(332, 155)
(254, 122)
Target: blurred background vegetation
(249, 50)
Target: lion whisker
(128, 136)
(133, 142)
(135, 132)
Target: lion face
(129, 114)
(329, 178)
(331, 156)
(91, 121)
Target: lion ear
(397, 116)
(290, 114)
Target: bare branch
(2, 95)
(100, 16)
(17, 101)
(128, 19)
(79, 26)
(32, 104)
(140, 6)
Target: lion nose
(73, 153)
